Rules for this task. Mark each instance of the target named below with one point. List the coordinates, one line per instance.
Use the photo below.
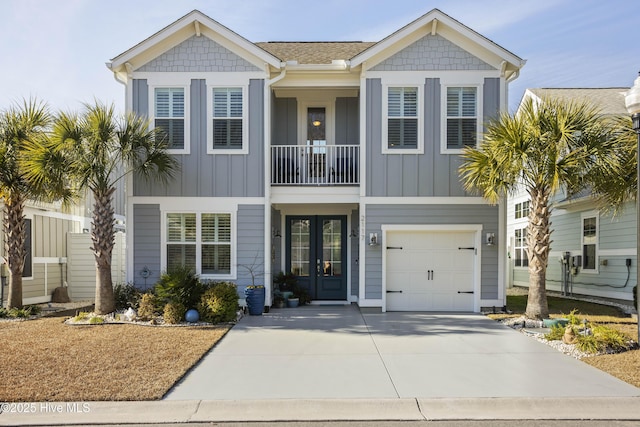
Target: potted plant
(293, 301)
(285, 284)
(278, 300)
(254, 295)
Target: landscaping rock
(60, 294)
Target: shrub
(285, 282)
(126, 295)
(96, 320)
(555, 333)
(219, 303)
(147, 307)
(181, 285)
(3, 312)
(173, 312)
(83, 315)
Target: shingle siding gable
(432, 53)
(199, 54)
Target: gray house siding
(428, 174)
(432, 53)
(250, 245)
(377, 215)
(140, 97)
(347, 121)
(198, 54)
(146, 244)
(284, 121)
(207, 175)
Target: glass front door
(316, 254)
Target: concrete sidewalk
(607, 408)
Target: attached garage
(431, 268)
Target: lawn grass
(626, 365)
(46, 360)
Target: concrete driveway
(320, 352)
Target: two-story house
(337, 161)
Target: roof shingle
(314, 52)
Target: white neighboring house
(592, 253)
(58, 253)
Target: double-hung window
(589, 242)
(520, 244)
(461, 117)
(402, 120)
(199, 241)
(169, 115)
(228, 119)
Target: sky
(56, 50)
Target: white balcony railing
(315, 164)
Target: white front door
(430, 270)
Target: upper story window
(589, 242)
(228, 120)
(169, 115)
(522, 210)
(402, 120)
(461, 127)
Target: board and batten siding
(377, 215)
(81, 266)
(211, 175)
(411, 175)
(284, 121)
(146, 244)
(250, 231)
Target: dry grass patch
(625, 366)
(46, 360)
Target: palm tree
(104, 148)
(545, 147)
(24, 132)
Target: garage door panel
(430, 270)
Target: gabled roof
(314, 52)
(437, 22)
(610, 100)
(193, 23)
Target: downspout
(267, 182)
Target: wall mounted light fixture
(275, 233)
(373, 239)
(490, 239)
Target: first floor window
(199, 241)
(520, 248)
(589, 242)
(462, 117)
(227, 118)
(169, 115)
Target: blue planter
(255, 300)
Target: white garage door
(430, 270)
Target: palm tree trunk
(539, 244)
(103, 242)
(15, 232)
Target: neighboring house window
(522, 210)
(27, 271)
(589, 242)
(200, 241)
(169, 115)
(462, 117)
(402, 118)
(520, 248)
(228, 119)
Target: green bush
(555, 333)
(96, 320)
(285, 282)
(181, 285)
(147, 307)
(126, 295)
(219, 303)
(3, 312)
(173, 312)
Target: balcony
(315, 165)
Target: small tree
(103, 149)
(24, 133)
(547, 146)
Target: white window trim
(187, 114)
(443, 115)
(245, 119)
(385, 119)
(163, 249)
(303, 106)
(521, 226)
(583, 216)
